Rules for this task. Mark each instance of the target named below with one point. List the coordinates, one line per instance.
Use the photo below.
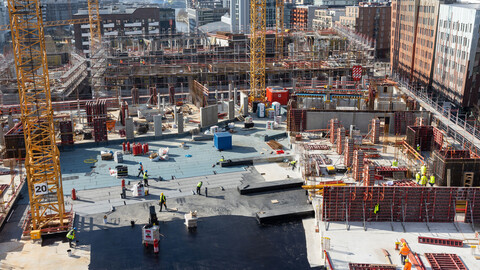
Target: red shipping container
(278, 94)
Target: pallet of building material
(106, 156)
(372, 155)
(275, 145)
(371, 266)
(401, 183)
(440, 241)
(317, 147)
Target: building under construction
(173, 115)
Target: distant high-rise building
(413, 37)
(301, 17)
(3, 21)
(336, 3)
(240, 15)
(326, 18)
(56, 10)
(457, 54)
(373, 21)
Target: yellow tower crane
(42, 161)
(280, 28)
(95, 30)
(258, 29)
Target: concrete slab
(249, 188)
(285, 214)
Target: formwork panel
(407, 204)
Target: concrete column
(129, 128)
(158, 101)
(180, 123)
(314, 82)
(245, 106)
(157, 124)
(216, 94)
(344, 81)
(330, 82)
(231, 110)
(294, 82)
(2, 136)
(175, 114)
(230, 87)
(163, 103)
(449, 178)
(235, 98)
(10, 122)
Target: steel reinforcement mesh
(398, 204)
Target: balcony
(109, 25)
(137, 32)
(153, 24)
(85, 26)
(111, 33)
(137, 24)
(156, 31)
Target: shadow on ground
(220, 242)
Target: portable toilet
(261, 110)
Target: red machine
(278, 94)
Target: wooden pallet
(275, 145)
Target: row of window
(463, 27)
(454, 38)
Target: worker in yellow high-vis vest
(423, 180)
(432, 180)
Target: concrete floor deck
(84, 176)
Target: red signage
(356, 73)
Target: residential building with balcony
(120, 20)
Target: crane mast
(280, 28)
(42, 161)
(257, 49)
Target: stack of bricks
(419, 121)
(333, 130)
(340, 140)
(358, 164)
(348, 157)
(375, 130)
(369, 175)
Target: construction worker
(140, 169)
(222, 159)
(395, 163)
(71, 236)
(432, 180)
(408, 265)
(162, 202)
(417, 177)
(423, 170)
(404, 251)
(199, 185)
(423, 180)
(145, 178)
(418, 148)
(293, 163)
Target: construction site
(273, 150)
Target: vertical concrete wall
(157, 124)
(208, 115)
(319, 120)
(235, 95)
(129, 129)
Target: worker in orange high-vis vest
(408, 265)
(404, 251)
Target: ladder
(468, 179)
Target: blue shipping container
(222, 140)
